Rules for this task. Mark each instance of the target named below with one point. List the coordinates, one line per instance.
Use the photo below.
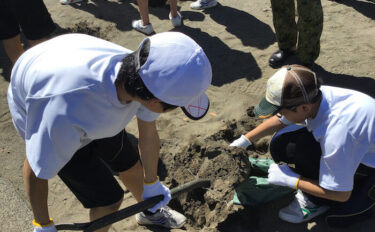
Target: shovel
(133, 209)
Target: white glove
(154, 189)
(282, 175)
(47, 228)
(241, 142)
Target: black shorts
(89, 174)
(30, 15)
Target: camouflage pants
(308, 28)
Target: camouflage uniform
(309, 27)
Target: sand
(238, 38)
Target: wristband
(151, 183)
(299, 178)
(46, 225)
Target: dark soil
(211, 158)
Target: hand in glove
(241, 142)
(154, 189)
(50, 227)
(282, 175)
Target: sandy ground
(238, 38)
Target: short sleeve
(339, 160)
(51, 138)
(146, 115)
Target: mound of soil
(211, 158)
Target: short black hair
(129, 78)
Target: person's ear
(154, 101)
(306, 108)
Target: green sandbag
(257, 190)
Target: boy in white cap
(332, 147)
(71, 98)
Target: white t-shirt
(345, 128)
(62, 96)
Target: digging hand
(154, 189)
(282, 175)
(241, 142)
(50, 227)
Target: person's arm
(149, 148)
(268, 127)
(37, 192)
(312, 187)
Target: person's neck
(315, 109)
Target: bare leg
(173, 6)
(143, 11)
(98, 212)
(13, 48)
(133, 180)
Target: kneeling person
(332, 147)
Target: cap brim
(198, 108)
(265, 109)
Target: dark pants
(306, 31)
(301, 149)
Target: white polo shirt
(345, 128)
(62, 96)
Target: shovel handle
(133, 209)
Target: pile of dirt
(211, 158)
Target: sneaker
(301, 209)
(67, 2)
(147, 29)
(177, 21)
(165, 217)
(203, 4)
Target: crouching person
(71, 98)
(332, 147)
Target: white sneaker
(147, 29)
(203, 4)
(165, 217)
(67, 2)
(177, 21)
(301, 209)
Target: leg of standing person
(310, 27)
(174, 15)
(283, 12)
(143, 25)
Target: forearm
(37, 192)
(268, 127)
(149, 149)
(312, 187)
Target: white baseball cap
(288, 87)
(177, 71)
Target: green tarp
(256, 190)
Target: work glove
(241, 142)
(282, 175)
(50, 227)
(154, 189)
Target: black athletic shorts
(30, 15)
(88, 174)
